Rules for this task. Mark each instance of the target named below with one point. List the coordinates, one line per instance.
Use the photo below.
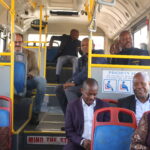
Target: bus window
(98, 41)
(35, 37)
(1, 42)
(140, 36)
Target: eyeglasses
(84, 45)
(19, 42)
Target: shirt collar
(84, 104)
(137, 100)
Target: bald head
(84, 45)
(90, 82)
(141, 86)
(125, 39)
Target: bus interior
(39, 20)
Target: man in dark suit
(126, 44)
(140, 101)
(79, 116)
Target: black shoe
(35, 119)
(62, 128)
(57, 78)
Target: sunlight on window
(98, 41)
(1, 42)
(35, 37)
(140, 37)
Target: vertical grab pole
(92, 28)
(45, 48)
(90, 45)
(40, 39)
(12, 59)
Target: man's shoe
(62, 128)
(57, 78)
(35, 119)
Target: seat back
(5, 123)
(112, 101)
(51, 54)
(114, 134)
(20, 76)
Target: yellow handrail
(5, 54)
(35, 42)
(120, 56)
(45, 48)
(89, 55)
(120, 66)
(40, 38)
(12, 60)
(5, 64)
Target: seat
(114, 134)
(5, 122)
(112, 101)
(51, 54)
(20, 74)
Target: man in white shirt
(79, 117)
(140, 101)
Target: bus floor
(52, 120)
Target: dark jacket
(128, 103)
(81, 73)
(67, 46)
(74, 122)
(132, 51)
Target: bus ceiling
(111, 19)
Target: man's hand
(87, 144)
(68, 84)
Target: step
(47, 135)
(51, 74)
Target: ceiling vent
(64, 13)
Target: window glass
(98, 41)
(35, 37)
(140, 37)
(1, 42)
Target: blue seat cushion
(4, 118)
(19, 76)
(112, 137)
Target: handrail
(45, 48)
(4, 4)
(120, 56)
(120, 66)
(5, 54)
(34, 42)
(5, 64)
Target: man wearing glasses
(34, 81)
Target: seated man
(68, 50)
(140, 101)
(34, 81)
(141, 137)
(79, 117)
(126, 44)
(71, 89)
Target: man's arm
(58, 38)
(33, 69)
(69, 127)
